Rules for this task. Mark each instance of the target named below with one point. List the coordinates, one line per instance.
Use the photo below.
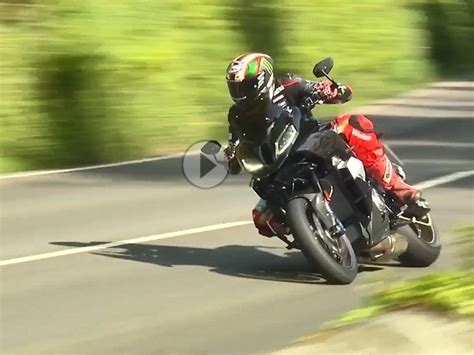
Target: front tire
(318, 246)
(423, 244)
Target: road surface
(217, 291)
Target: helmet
(250, 78)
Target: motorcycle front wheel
(334, 257)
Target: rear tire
(315, 248)
(423, 244)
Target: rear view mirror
(211, 148)
(323, 68)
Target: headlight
(251, 165)
(286, 139)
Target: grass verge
(451, 292)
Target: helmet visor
(243, 91)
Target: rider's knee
(362, 123)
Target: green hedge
(449, 25)
(94, 81)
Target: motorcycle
(313, 183)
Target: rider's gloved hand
(229, 151)
(232, 163)
(326, 90)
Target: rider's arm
(297, 89)
(233, 138)
(233, 164)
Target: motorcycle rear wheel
(423, 243)
(333, 257)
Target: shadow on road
(232, 260)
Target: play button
(206, 165)
(204, 170)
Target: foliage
(450, 28)
(444, 291)
(466, 240)
(92, 81)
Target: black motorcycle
(314, 184)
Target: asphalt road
(222, 291)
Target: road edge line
(422, 186)
(444, 179)
(27, 174)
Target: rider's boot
(266, 223)
(384, 172)
(269, 226)
(392, 178)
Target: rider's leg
(387, 176)
(360, 135)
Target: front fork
(317, 198)
(321, 206)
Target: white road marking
(422, 185)
(91, 167)
(466, 162)
(395, 143)
(422, 143)
(444, 179)
(146, 239)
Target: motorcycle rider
(251, 83)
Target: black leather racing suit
(291, 90)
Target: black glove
(232, 163)
(229, 151)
